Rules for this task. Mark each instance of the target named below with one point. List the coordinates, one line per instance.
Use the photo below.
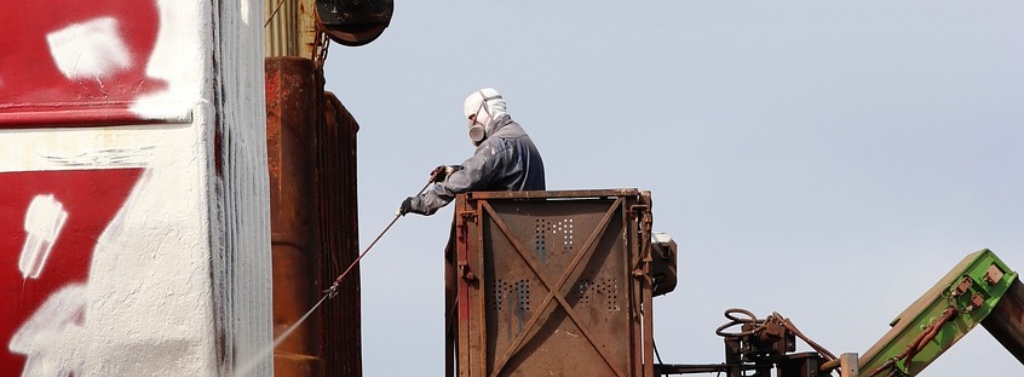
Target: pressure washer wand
(333, 290)
(330, 292)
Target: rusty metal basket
(550, 283)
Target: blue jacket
(506, 160)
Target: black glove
(406, 206)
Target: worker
(505, 158)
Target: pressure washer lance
(332, 292)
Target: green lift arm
(980, 289)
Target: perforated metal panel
(545, 285)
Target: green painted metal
(966, 295)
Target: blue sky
(864, 148)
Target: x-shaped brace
(554, 289)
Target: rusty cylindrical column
(291, 123)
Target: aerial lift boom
(981, 289)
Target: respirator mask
(478, 123)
